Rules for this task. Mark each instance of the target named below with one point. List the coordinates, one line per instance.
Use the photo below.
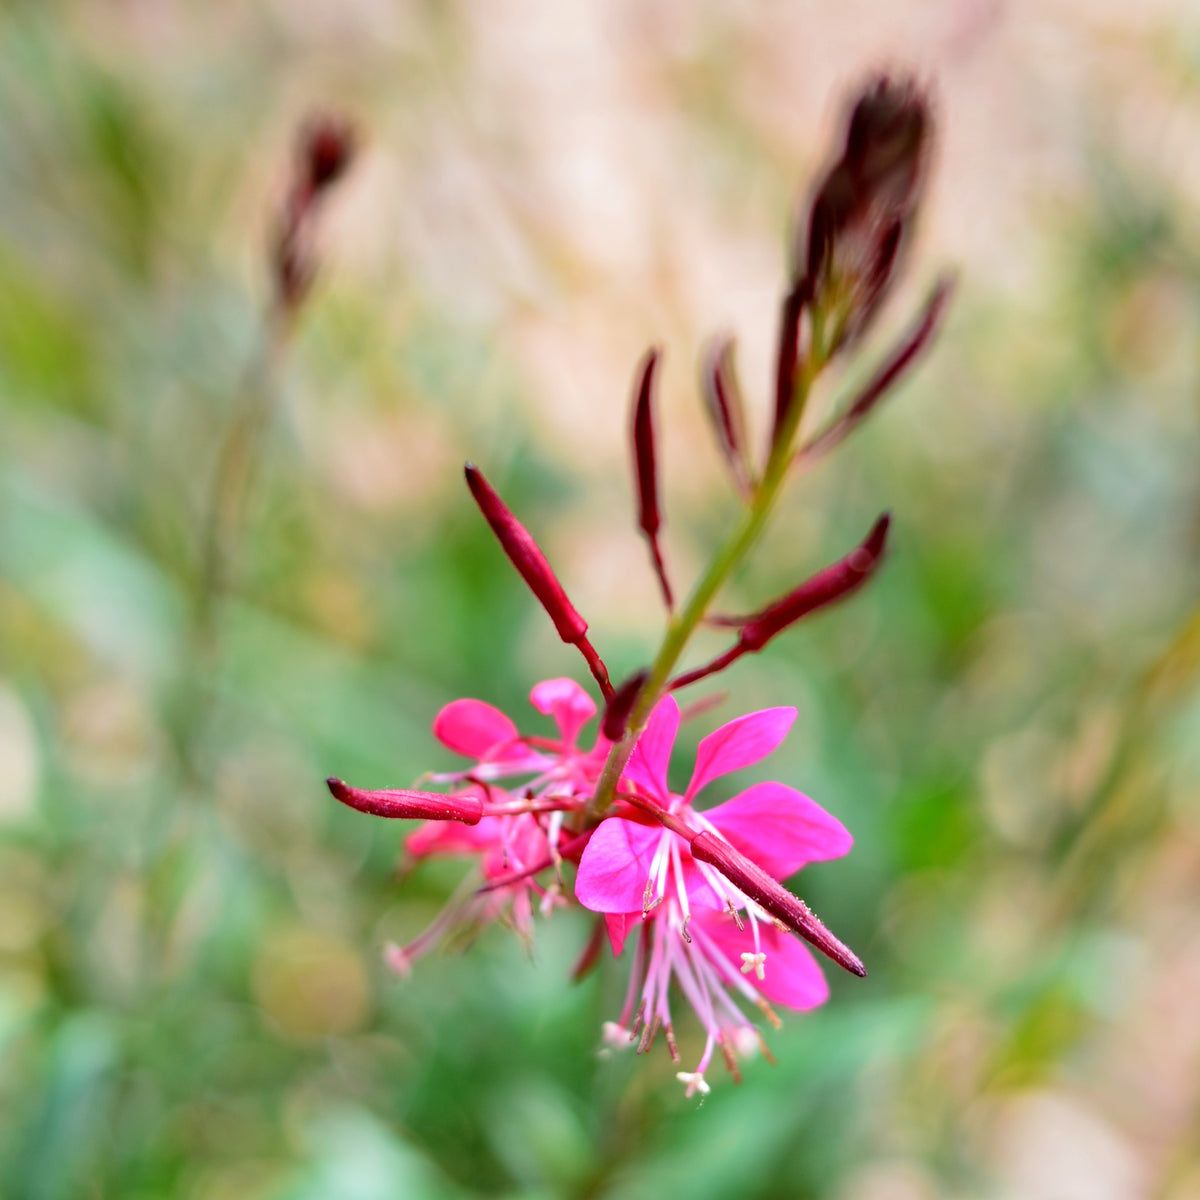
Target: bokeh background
(192, 1001)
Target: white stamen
(695, 1082)
(754, 962)
(615, 1037)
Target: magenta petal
(651, 756)
(450, 837)
(780, 828)
(569, 705)
(791, 976)
(740, 743)
(618, 926)
(616, 865)
(473, 728)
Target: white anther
(754, 962)
(615, 1037)
(695, 1082)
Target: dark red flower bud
(788, 354)
(835, 582)
(768, 893)
(327, 146)
(325, 150)
(525, 555)
(723, 399)
(863, 210)
(905, 353)
(620, 705)
(646, 466)
(408, 805)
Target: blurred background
(192, 1001)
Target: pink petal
(741, 743)
(567, 702)
(651, 756)
(451, 837)
(619, 925)
(780, 828)
(615, 866)
(791, 976)
(473, 728)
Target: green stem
(684, 623)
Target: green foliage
(192, 1002)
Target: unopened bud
(525, 555)
(620, 705)
(909, 348)
(769, 894)
(409, 805)
(325, 150)
(835, 582)
(723, 399)
(645, 461)
(327, 146)
(863, 211)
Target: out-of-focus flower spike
(325, 149)
(645, 463)
(723, 399)
(620, 705)
(834, 583)
(328, 144)
(524, 553)
(408, 805)
(864, 210)
(914, 342)
(769, 894)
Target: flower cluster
(697, 892)
(712, 933)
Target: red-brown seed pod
(403, 804)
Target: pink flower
(697, 927)
(525, 786)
